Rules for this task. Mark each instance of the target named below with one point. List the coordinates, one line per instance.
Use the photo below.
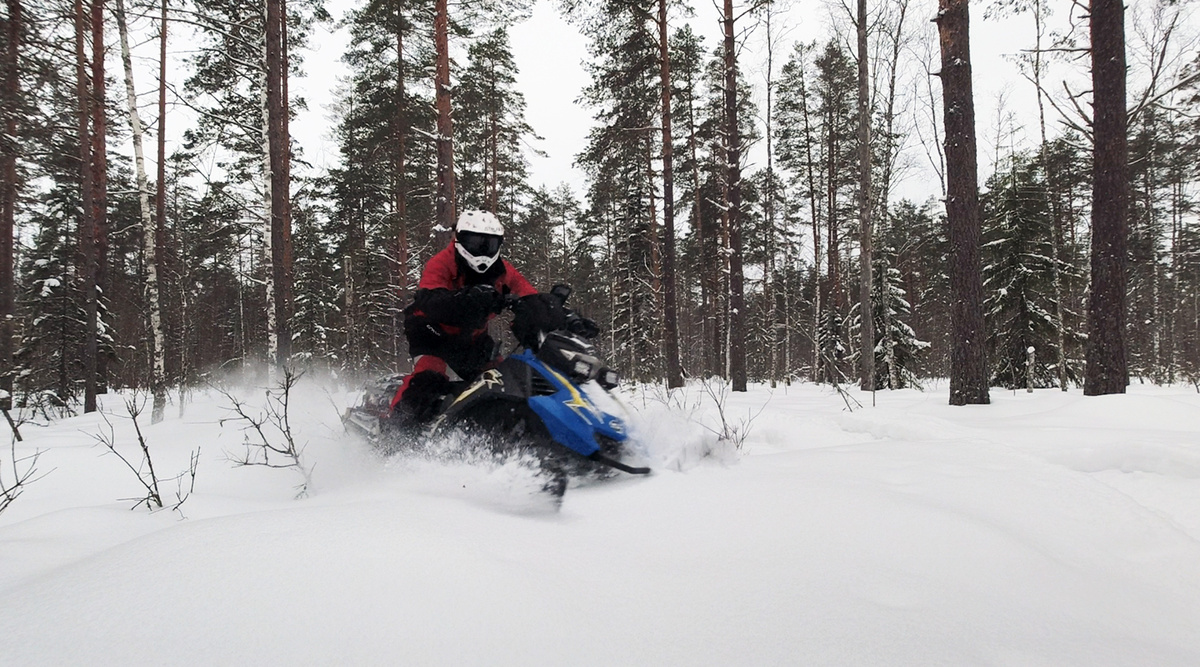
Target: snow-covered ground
(1044, 529)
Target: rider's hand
(536, 314)
(479, 301)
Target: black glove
(537, 313)
(425, 394)
(475, 303)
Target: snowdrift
(1045, 529)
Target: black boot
(423, 399)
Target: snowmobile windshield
(480, 245)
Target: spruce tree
(48, 361)
(1018, 278)
(898, 349)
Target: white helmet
(477, 237)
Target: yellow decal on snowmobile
(490, 378)
(577, 399)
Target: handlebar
(576, 323)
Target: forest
(1071, 260)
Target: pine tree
(863, 107)
(835, 84)
(968, 366)
(921, 247)
(490, 114)
(1147, 311)
(239, 78)
(697, 288)
(798, 153)
(11, 30)
(622, 196)
(733, 184)
(53, 73)
(1107, 370)
(383, 196)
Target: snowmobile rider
(461, 289)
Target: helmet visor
(479, 245)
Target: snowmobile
(533, 401)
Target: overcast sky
(549, 54)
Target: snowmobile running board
(600, 458)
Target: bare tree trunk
(160, 197)
(492, 168)
(707, 307)
(273, 357)
(670, 309)
(277, 135)
(814, 205)
(706, 363)
(774, 300)
(1106, 365)
(401, 195)
(865, 255)
(445, 128)
(835, 303)
(277, 201)
(1055, 209)
(87, 221)
(737, 304)
(968, 356)
(8, 194)
(652, 226)
(100, 182)
(721, 293)
(283, 193)
(158, 353)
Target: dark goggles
(479, 245)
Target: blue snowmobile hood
(571, 417)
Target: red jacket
(444, 272)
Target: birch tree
(148, 227)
